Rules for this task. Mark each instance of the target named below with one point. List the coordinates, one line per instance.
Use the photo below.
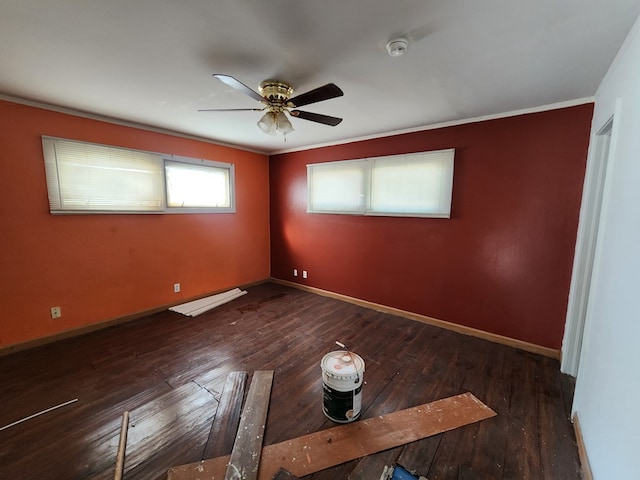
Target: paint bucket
(342, 378)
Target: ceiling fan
(277, 100)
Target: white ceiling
(151, 62)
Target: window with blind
(90, 178)
(412, 185)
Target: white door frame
(590, 212)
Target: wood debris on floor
(122, 446)
(225, 424)
(196, 307)
(245, 457)
(55, 407)
(324, 449)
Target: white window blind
(91, 178)
(84, 176)
(418, 184)
(338, 186)
(412, 184)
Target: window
(416, 185)
(90, 178)
(197, 186)
(336, 186)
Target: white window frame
(59, 203)
(227, 168)
(333, 192)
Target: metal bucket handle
(344, 347)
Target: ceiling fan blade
(231, 110)
(316, 117)
(238, 85)
(330, 90)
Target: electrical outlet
(295, 272)
(56, 312)
(304, 274)
(176, 288)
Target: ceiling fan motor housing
(275, 92)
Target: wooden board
(225, 425)
(320, 450)
(245, 456)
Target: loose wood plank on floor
(225, 424)
(320, 450)
(245, 456)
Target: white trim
(590, 208)
(452, 123)
(602, 226)
(574, 333)
(122, 123)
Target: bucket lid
(342, 363)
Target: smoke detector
(397, 47)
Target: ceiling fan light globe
(267, 124)
(283, 124)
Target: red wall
(100, 267)
(501, 264)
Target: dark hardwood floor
(169, 370)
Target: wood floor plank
(522, 431)
(558, 458)
(75, 430)
(486, 379)
(460, 450)
(181, 417)
(320, 450)
(133, 364)
(283, 474)
(298, 386)
(225, 424)
(339, 471)
(418, 456)
(245, 456)
(372, 466)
